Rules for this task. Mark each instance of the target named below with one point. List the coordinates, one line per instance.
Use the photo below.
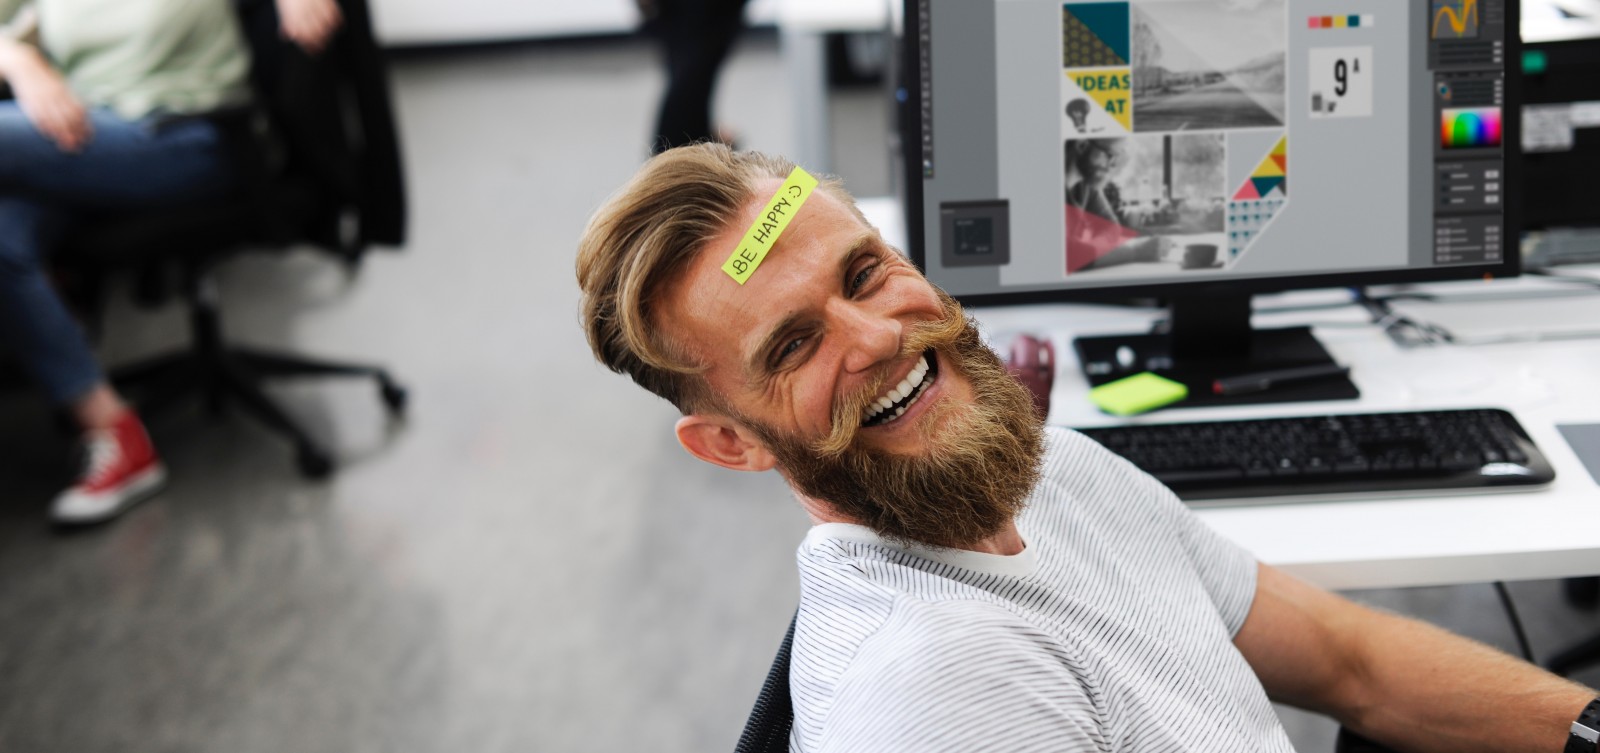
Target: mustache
(936, 334)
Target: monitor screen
(1561, 136)
(1062, 149)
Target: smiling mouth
(892, 404)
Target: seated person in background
(976, 580)
(1094, 192)
(113, 110)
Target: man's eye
(862, 277)
(789, 349)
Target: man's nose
(869, 338)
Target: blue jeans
(126, 166)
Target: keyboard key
(1197, 475)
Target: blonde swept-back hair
(644, 237)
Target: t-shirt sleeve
(1226, 570)
(959, 676)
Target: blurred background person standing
(695, 38)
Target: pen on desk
(1266, 380)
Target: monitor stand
(1207, 338)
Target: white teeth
(907, 386)
(919, 372)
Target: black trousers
(695, 36)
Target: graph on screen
(1455, 19)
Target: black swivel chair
(767, 729)
(323, 168)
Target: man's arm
(1398, 681)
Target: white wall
(421, 22)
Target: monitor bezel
(1510, 265)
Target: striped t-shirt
(1111, 631)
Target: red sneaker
(120, 471)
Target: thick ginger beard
(981, 459)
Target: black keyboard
(1338, 455)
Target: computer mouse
(1032, 361)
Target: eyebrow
(756, 365)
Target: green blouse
(140, 57)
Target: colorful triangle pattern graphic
(1265, 186)
(1271, 176)
(1094, 35)
(1247, 219)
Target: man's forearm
(1402, 682)
(1429, 690)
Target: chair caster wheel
(314, 463)
(394, 396)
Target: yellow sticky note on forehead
(770, 224)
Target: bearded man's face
(840, 365)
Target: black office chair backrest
(767, 729)
(333, 116)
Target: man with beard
(974, 580)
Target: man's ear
(721, 441)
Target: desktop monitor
(1561, 136)
(1201, 151)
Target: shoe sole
(142, 487)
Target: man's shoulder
(946, 631)
(868, 577)
(918, 636)
(942, 671)
(1082, 480)
(921, 639)
(1075, 460)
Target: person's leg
(684, 113)
(34, 323)
(125, 165)
(122, 466)
(697, 36)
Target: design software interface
(1092, 144)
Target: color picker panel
(1469, 127)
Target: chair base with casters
(767, 729)
(319, 167)
(220, 373)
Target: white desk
(1376, 543)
